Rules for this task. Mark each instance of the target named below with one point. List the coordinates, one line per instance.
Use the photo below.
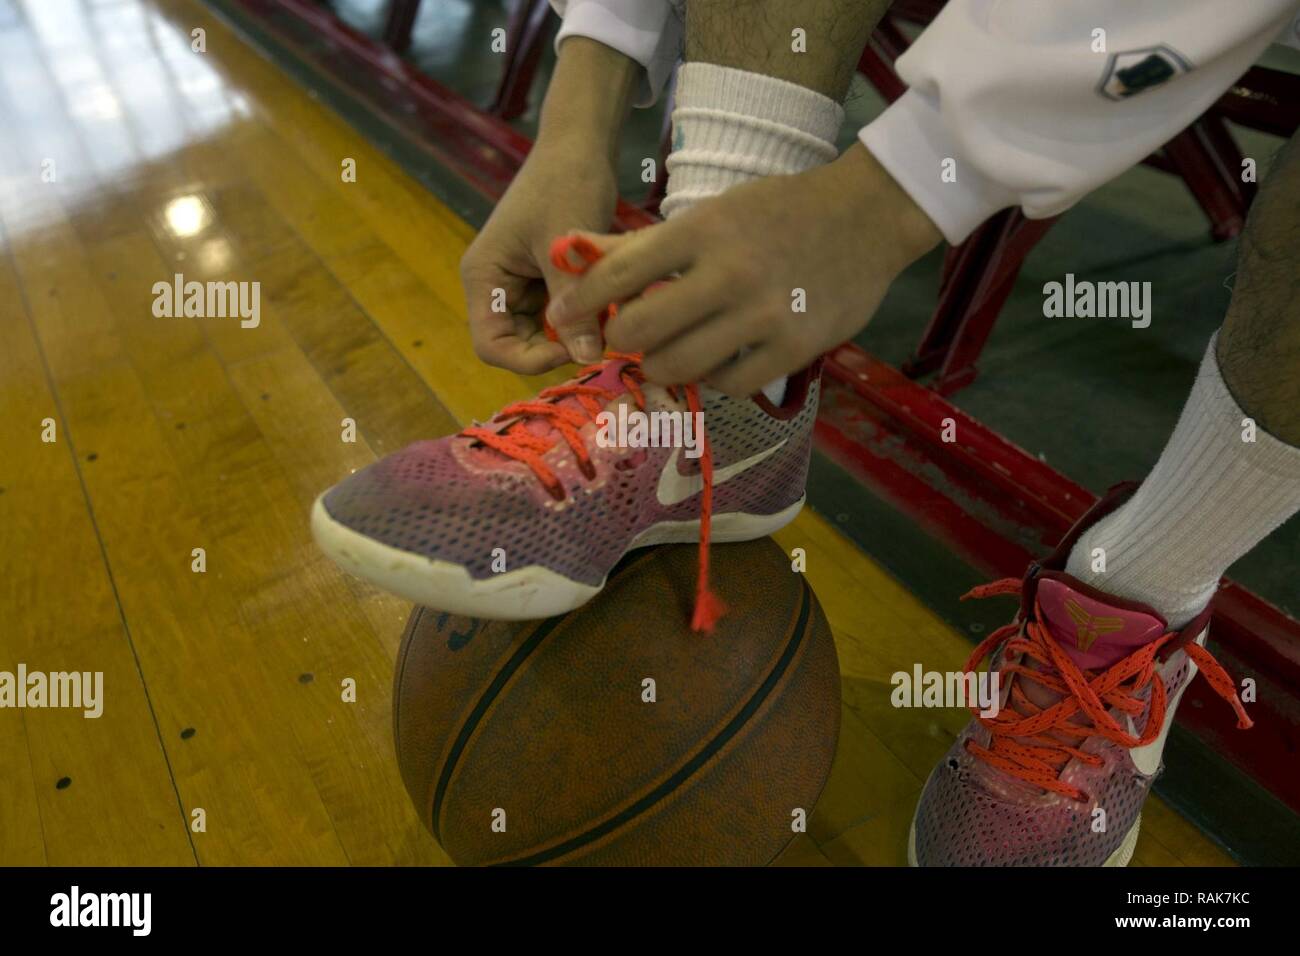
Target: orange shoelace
(1035, 743)
(518, 442)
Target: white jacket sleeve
(648, 31)
(1032, 110)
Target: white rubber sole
(522, 594)
(1120, 857)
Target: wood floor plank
(373, 382)
(1188, 846)
(344, 749)
(801, 851)
(129, 478)
(405, 306)
(57, 604)
(879, 841)
(284, 586)
(181, 622)
(52, 554)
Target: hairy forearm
(588, 98)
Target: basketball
(614, 735)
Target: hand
(556, 191)
(567, 182)
(838, 235)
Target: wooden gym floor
(222, 689)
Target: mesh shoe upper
(972, 814)
(1088, 688)
(454, 500)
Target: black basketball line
(503, 676)
(691, 766)
(467, 729)
(411, 625)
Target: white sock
(731, 126)
(1211, 497)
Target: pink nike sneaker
(1089, 684)
(561, 505)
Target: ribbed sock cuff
(1211, 498)
(731, 126)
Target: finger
(574, 251)
(512, 339)
(747, 374)
(580, 332)
(710, 345)
(665, 312)
(581, 337)
(532, 351)
(523, 348)
(630, 263)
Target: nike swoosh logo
(674, 487)
(1147, 759)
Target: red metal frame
(978, 277)
(1208, 159)
(1264, 99)
(399, 23)
(978, 495)
(524, 43)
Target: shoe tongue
(607, 377)
(1095, 634)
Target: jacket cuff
(910, 140)
(650, 42)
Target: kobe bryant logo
(1089, 627)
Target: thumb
(580, 336)
(578, 328)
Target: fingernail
(586, 348)
(558, 310)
